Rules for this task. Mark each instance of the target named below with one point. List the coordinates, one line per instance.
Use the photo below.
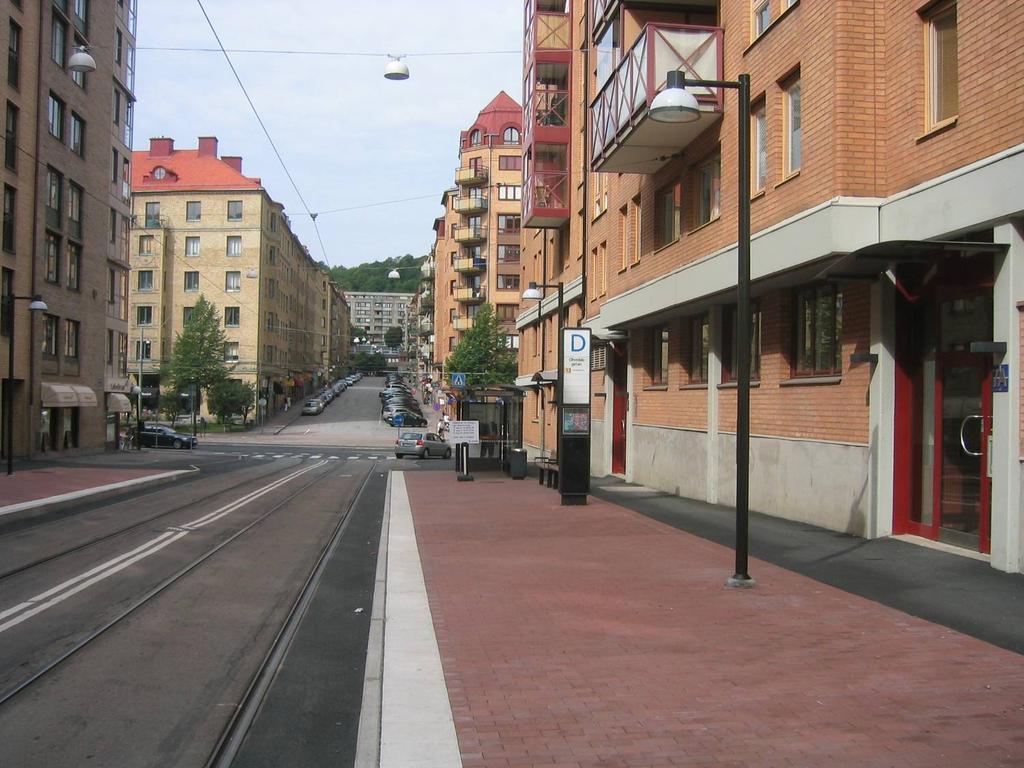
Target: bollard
(464, 450)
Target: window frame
(699, 330)
(72, 338)
(198, 204)
(189, 240)
(709, 190)
(233, 240)
(668, 210)
(236, 311)
(934, 80)
(660, 340)
(730, 341)
(792, 140)
(229, 282)
(759, 136)
(143, 309)
(141, 285)
(73, 273)
(56, 112)
(798, 367)
(241, 211)
(187, 277)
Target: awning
(540, 378)
(86, 397)
(59, 396)
(118, 403)
(871, 261)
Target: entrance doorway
(944, 408)
(620, 406)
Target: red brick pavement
(593, 636)
(44, 482)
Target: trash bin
(517, 464)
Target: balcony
(470, 204)
(462, 323)
(426, 327)
(545, 198)
(470, 235)
(471, 175)
(470, 266)
(469, 295)
(623, 138)
(426, 306)
(427, 270)
(547, 27)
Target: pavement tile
(45, 482)
(594, 636)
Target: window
(6, 291)
(11, 137)
(508, 254)
(14, 56)
(143, 315)
(232, 282)
(82, 14)
(78, 78)
(659, 355)
(59, 42)
(146, 245)
(186, 315)
(510, 192)
(602, 267)
(762, 16)
(71, 335)
(474, 137)
(143, 349)
(55, 117)
(52, 258)
(669, 206)
(191, 246)
(506, 313)
(231, 351)
(792, 147)
(54, 198)
(159, 172)
(729, 364)
(943, 96)
(510, 163)
(152, 214)
(273, 222)
(193, 210)
(145, 279)
(600, 187)
(234, 210)
(509, 224)
(508, 282)
(77, 135)
(10, 197)
(510, 136)
(191, 281)
(234, 245)
(708, 190)
(759, 129)
(232, 316)
(75, 196)
(700, 346)
(74, 266)
(118, 46)
(115, 165)
(634, 223)
(273, 255)
(50, 335)
(819, 332)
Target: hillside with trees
(373, 276)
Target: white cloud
(349, 136)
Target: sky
(349, 137)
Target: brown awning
(86, 397)
(59, 396)
(118, 403)
(871, 261)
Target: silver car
(312, 407)
(421, 444)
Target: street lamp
(675, 104)
(395, 69)
(137, 391)
(81, 60)
(36, 304)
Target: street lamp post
(36, 304)
(675, 104)
(137, 391)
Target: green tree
(366, 362)
(483, 353)
(393, 336)
(198, 353)
(373, 276)
(170, 403)
(230, 398)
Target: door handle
(963, 438)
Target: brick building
(887, 258)
(65, 222)
(200, 227)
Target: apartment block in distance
(376, 312)
(67, 150)
(477, 239)
(887, 258)
(200, 227)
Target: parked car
(421, 444)
(409, 418)
(157, 436)
(312, 407)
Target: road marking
(70, 587)
(332, 457)
(372, 457)
(279, 456)
(258, 456)
(316, 456)
(352, 457)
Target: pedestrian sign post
(398, 419)
(458, 381)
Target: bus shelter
(499, 410)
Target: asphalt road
(132, 629)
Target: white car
(312, 407)
(421, 444)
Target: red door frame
(620, 406)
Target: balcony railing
(462, 323)
(470, 204)
(470, 234)
(426, 327)
(426, 307)
(623, 138)
(470, 266)
(546, 30)
(546, 198)
(470, 175)
(469, 295)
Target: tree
(393, 336)
(170, 403)
(366, 362)
(198, 354)
(232, 397)
(483, 353)
(373, 276)
(359, 332)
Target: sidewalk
(598, 636)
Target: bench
(547, 469)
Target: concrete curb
(98, 493)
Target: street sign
(458, 381)
(464, 432)
(576, 366)
(1001, 378)
(398, 420)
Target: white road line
(258, 456)
(371, 457)
(332, 457)
(353, 457)
(279, 456)
(315, 456)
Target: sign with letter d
(575, 366)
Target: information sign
(464, 432)
(458, 381)
(576, 366)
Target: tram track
(134, 526)
(49, 666)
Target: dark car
(409, 419)
(156, 436)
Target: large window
(943, 95)
(191, 281)
(759, 161)
(668, 204)
(232, 282)
(729, 341)
(193, 210)
(143, 315)
(700, 348)
(510, 163)
(709, 191)
(819, 331)
(191, 246)
(509, 224)
(659, 355)
(232, 316)
(793, 145)
(508, 254)
(510, 192)
(508, 282)
(145, 279)
(234, 210)
(234, 245)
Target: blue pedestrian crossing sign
(458, 381)
(398, 419)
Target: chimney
(207, 146)
(161, 147)
(234, 162)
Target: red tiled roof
(502, 111)
(185, 169)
